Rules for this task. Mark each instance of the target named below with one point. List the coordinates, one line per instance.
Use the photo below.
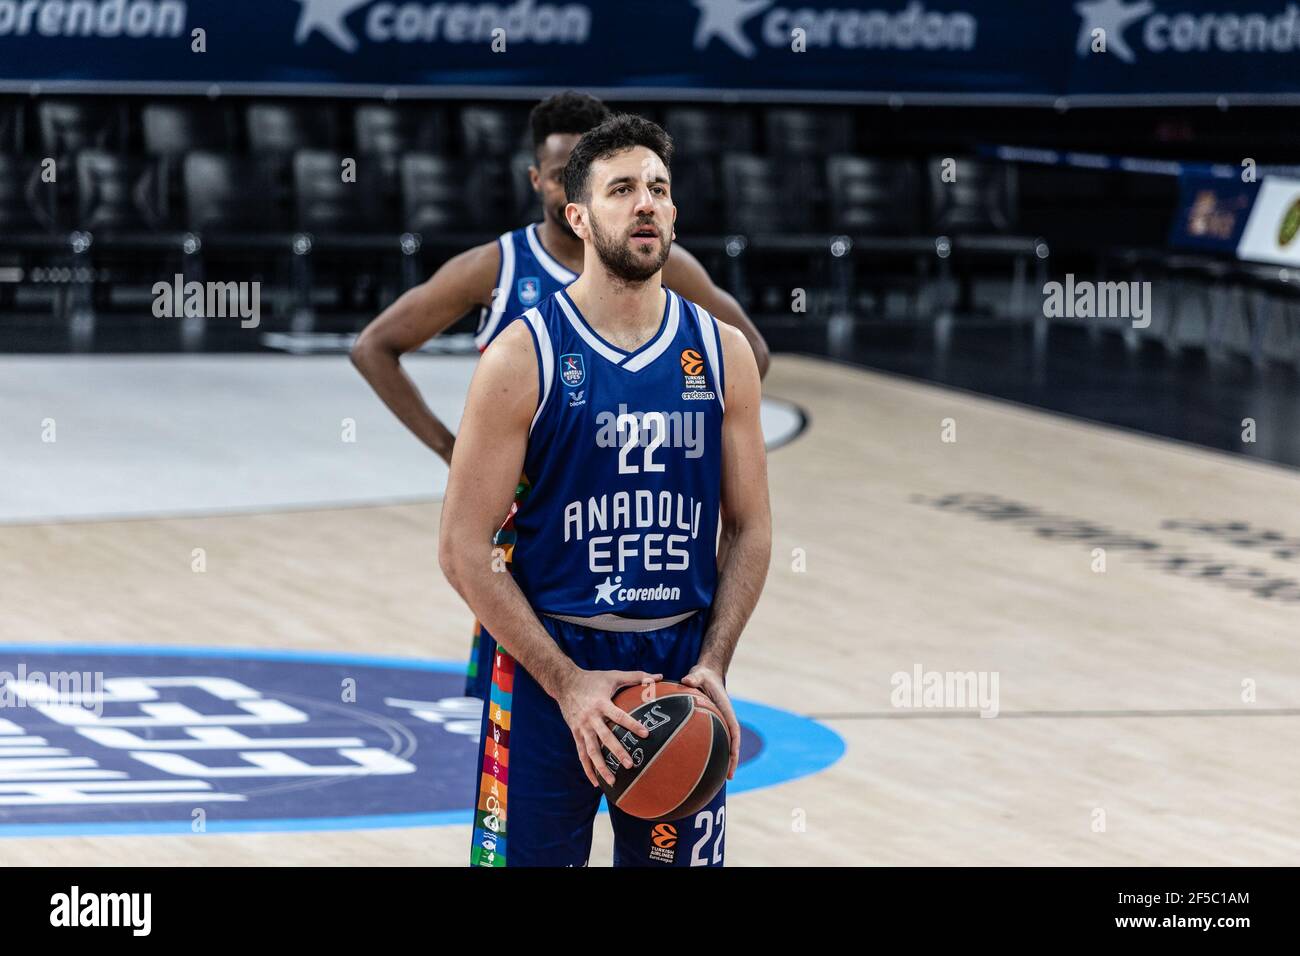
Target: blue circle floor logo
(115, 740)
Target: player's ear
(577, 216)
(535, 177)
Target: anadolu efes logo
(1164, 29)
(190, 740)
(418, 21)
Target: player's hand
(709, 681)
(585, 701)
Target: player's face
(631, 213)
(547, 175)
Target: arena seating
(771, 199)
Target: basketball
(681, 765)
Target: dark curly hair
(619, 132)
(568, 112)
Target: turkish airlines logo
(521, 22)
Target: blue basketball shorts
(535, 806)
(478, 673)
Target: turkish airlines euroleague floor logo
(194, 740)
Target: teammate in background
(504, 278)
(635, 417)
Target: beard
(624, 262)
(561, 221)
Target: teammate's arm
(418, 315)
(746, 523)
(685, 276)
(485, 470)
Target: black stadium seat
(385, 133)
(13, 127)
(493, 130)
(236, 196)
(173, 129)
(980, 200)
(873, 197)
(807, 132)
(772, 196)
(433, 195)
(391, 130)
(69, 126)
(879, 205)
(115, 194)
(28, 210)
(778, 207)
(327, 205)
(699, 132)
(978, 211)
(697, 192)
(289, 127)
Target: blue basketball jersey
(624, 463)
(527, 275)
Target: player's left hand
(709, 681)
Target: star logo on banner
(326, 17)
(604, 592)
(723, 19)
(1113, 16)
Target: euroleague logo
(191, 740)
(694, 382)
(665, 835)
(663, 843)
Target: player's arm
(418, 315)
(746, 525)
(685, 276)
(485, 469)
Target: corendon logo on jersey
(608, 590)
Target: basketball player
(634, 416)
(504, 277)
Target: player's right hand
(586, 703)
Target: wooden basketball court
(1147, 714)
